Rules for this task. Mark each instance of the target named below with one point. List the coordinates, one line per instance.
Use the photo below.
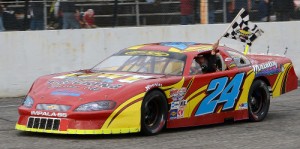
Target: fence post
(224, 11)
(25, 23)
(137, 12)
(204, 11)
(115, 15)
(45, 14)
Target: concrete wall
(27, 55)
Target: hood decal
(92, 81)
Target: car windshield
(154, 62)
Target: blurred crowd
(64, 14)
(283, 10)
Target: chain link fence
(65, 14)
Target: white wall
(27, 55)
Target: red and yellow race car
(148, 87)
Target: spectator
(69, 15)
(56, 15)
(263, 10)
(237, 5)
(36, 15)
(10, 21)
(283, 9)
(1, 20)
(187, 12)
(211, 12)
(88, 18)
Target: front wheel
(258, 101)
(154, 113)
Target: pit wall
(30, 54)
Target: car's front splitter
(79, 131)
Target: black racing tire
(258, 101)
(154, 113)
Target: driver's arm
(214, 48)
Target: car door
(214, 96)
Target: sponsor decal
(173, 114)
(180, 113)
(67, 93)
(175, 104)
(243, 106)
(243, 34)
(177, 94)
(49, 114)
(52, 107)
(148, 87)
(179, 107)
(76, 83)
(268, 68)
(183, 103)
(147, 53)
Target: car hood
(83, 86)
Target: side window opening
(239, 59)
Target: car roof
(179, 47)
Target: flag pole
(241, 11)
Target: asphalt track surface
(280, 130)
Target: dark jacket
(211, 64)
(38, 9)
(283, 5)
(67, 6)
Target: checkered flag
(242, 29)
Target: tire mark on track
(7, 120)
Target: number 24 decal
(220, 93)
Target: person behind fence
(36, 11)
(1, 18)
(263, 10)
(187, 12)
(283, 9)
(69, 15)
(88, 19)
(237, 5)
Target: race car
(149, 87)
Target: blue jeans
(187, 19)
(211, 16)
(37, 24)
(69, 21)
(1, 24)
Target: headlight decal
(28, 102)
(96, 106)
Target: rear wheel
(154, 113)
(258, 101)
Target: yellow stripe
(198, 48)
(279, 80)
(79, 131)
(194, 101)
(196, 92)
(177, 85)
(174, 50)
(136, 47)
(246, 87)
(106, 124)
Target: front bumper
(79, 131)
(68, 126)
